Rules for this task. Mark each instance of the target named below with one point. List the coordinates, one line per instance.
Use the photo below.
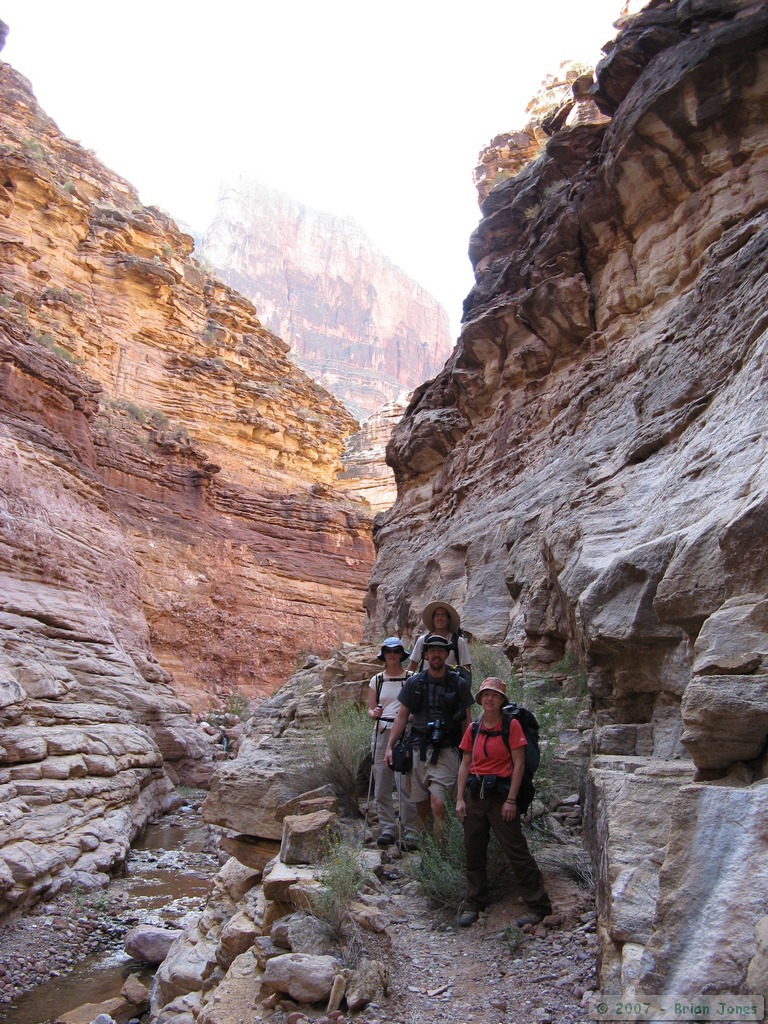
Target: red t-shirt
(489, 753)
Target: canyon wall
(589, 475)
(170, 530)
(365, 472)
(354, 321)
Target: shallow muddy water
(167, 877)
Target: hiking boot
(409, 844)
(385, 839)
(529, 918)
(468, 917)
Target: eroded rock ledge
(170, 529)
(588, 475)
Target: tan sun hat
(454, 620)
(495, 685)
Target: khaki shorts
(439, 779)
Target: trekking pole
(399, 784)
(370, 780)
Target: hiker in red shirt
(488, 784)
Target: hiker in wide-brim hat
(442, 619)
(488, 786)
(427, 616)
(383, 705)
(434, 708)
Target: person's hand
(377, 712)
(388, 757)
(461, 810)
(509, 810)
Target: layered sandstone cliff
(365, 472)
(354, 321)
(589, 474)
(169, 525)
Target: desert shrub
(337, 754)
(441, 874)
(343, 875)
(158, 419)
(136, 412)
(235, 705)
(487, 661)
(555, 187)
(48, 341)
(503, 174)
(512, 938)
(33, 149)
(568, 860)
(347, 734)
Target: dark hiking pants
(482, 816)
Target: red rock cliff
(168, 521)
(354, 321)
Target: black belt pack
(485, 786)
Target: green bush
(48, 341)
(441, 876)
(343, 875)
(347, 737)
(487, 661)
(236, 704)
(33, 149)
(338, 753)
(512, 938)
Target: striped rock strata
(169, 526)
(589, 475)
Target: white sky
(373, 111)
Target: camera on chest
(436, 730)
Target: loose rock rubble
(489, 973)
(52, 938)
(492, 972)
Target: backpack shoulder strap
(507, 718)
(423, 637)
(474, 730)
(455, 645)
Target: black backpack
(530, 728)
(454, 713)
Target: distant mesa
(355, 322)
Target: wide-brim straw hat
(454, 619)
(495, 685)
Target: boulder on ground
(149, 943)
(304, 977)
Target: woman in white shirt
(383, 705)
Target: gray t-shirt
(445, 700)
